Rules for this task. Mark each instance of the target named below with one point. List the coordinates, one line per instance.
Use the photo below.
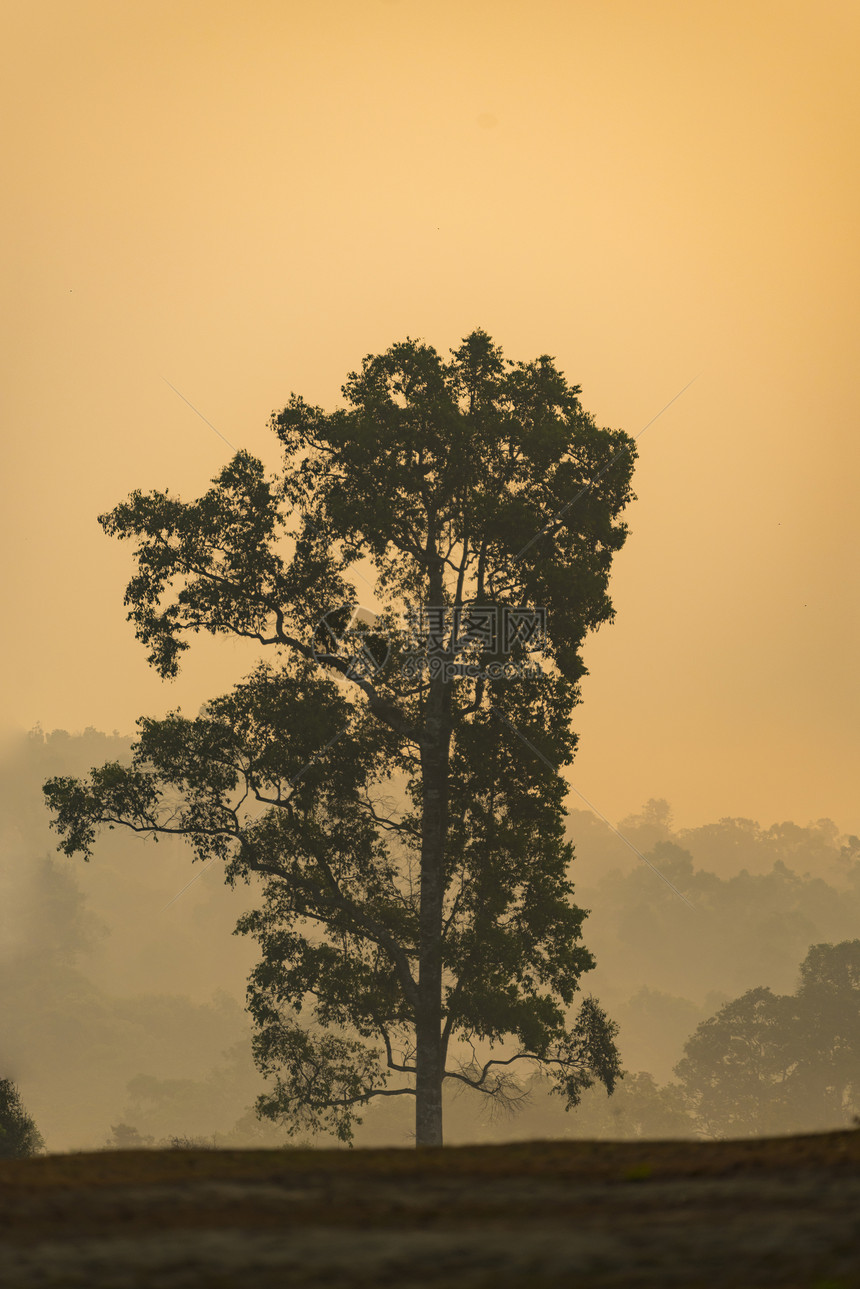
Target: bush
(184, 1142)
(19, 1136)
(124, 1137)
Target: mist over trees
(410, 860)
(102, 1025)
(98, 984)
(769, 1063)
(754, 913)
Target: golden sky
(244, 199)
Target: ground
(782, 1212)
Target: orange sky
(244, 199)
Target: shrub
(19, 1136)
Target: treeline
(755, 900)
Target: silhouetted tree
(769, 1063)
(19, 1136)
(827, 1081)
(475, 491)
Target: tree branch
(371, 930)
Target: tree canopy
(768, 1063)
(394, 787)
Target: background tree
(451, 919)
(769, 1063)
(736, 1067)
(827, 1081)
(19, 1136)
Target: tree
(827, 1081)
(19, 1136)
(736, 1067)
(394, 784)
(769, 1063)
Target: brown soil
(782, 1212)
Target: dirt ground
(783, 1212)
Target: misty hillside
(123, 1000)
(100, 983)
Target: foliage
(189, 1143)
(408, 830)
(653, 1027)
(19, 1136)
(768, 1063)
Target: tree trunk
(428, 1020)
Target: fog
(123, 987)
(244, 200)
(101, 983)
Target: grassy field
(780, 1212)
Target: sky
(224, 203)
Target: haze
(235, 202)
(245, 200)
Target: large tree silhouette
(393, 785)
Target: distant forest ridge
(726, 846)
